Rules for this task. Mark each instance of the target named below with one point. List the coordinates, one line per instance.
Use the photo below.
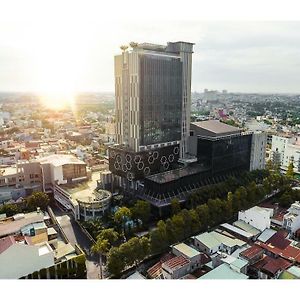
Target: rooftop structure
(266, 235)
(246, 227)
(252, 252)
(60, 160)
(15, 224)
(214, 129)
(186, 250)
(237, 231)
(211, 242)
(224, 271)
(85, 199)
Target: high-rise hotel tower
(153, 100)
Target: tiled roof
(155, 271)
(176, 262)
(6, 242)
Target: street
(76, 236)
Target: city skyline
(70, 57)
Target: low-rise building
(190, 253)
(224, 271)
(291, 220)
(258, 217)
(20, 258)
(211, 242)
(176, 267)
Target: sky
(70, 47)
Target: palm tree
(101, 247)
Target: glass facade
(225, 154)
(160, 99)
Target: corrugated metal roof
(223, 272)
(247, 227)
(186, 250)
(266, 235)
(237, 230)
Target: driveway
(76, 236)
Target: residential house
(291, 220)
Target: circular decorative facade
(129, 176)
(155, 154)
(163, 159)
(137, 159)
(176, 150)
(119, 158)
(166, 165)
(140, 165)
(151, 159)
(128, 165)
(147, 171)
(124, 168)
(128, 158)
(171, 157)
(117, 165)
(95, 206)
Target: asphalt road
(76, 236)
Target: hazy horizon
(243, 57)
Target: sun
(59, 64)
(57, 100)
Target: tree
(141, 210)
(108, 234)
(215, 210)
(37, 199)
(115, 261)
(170, 233)
(290, 171)
(203, 213)
(175, 206)
(187, 219)
(121, 216)
(196, 225)
(158, 238)
(10, 209)
(101, 247)
(178, 225)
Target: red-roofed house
(252, 254)
(176, 267)
(269, 267)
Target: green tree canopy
(175, 206)
(115, 261)
(290, 171)
(37, 199)
(141, 210)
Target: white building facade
(285, 150)
(258, 217)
